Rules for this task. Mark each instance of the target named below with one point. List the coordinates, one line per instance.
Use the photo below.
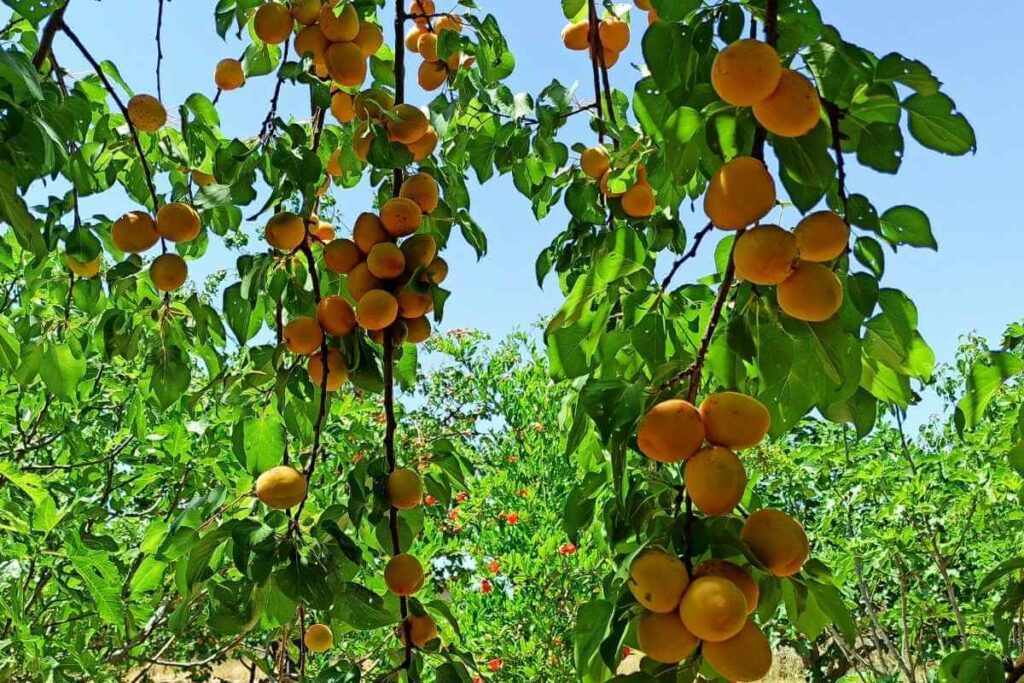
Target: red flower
(494, 566)
(626, 650)
(430, 500)
(494, 664)
(461, 497)
(477, 679)
(512, 518)
(567, 549)
(453, 514)
(486, 588)
(524, 493)
(513, 459)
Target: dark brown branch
(159, 48)
(268, 123)
(53, 25)
(697, 239)
(835, 117)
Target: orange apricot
(134, 232)
(740, 193)
(734, 420)
(335, 315)
(813, 293)
(793, 108)
(670, 431)
(715, 479)
(822, 236)
(746, 72)
(765, 255)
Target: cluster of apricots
(405, 124)
(713, 606)
(422, 39)
(612, 36)
(638, 201)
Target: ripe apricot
(229, 75)
(644, 5)
(325, 232)
(403, 575)
(178, 222)
(422, 7)
(134, 232)
(405, 490)
(376, 310)
(360, 281)
(303, 336)
(821, 236)
(409, 125)
(337, 369)
(658, 580)
(594, 162)
(576, 36)
(670, 431)
(792, 109)
(369, 39)
(306, 11)
(419, 251)
(341, 256)
(168, 272)
(734, 420)
(372, 103)
(341, 107)
(813, 293)
(362, 140)
(413, 305)
(311, 41)
(427, 47)
(746, 72)
(765, 255)
(146, 113)
(735, 573)
(777, 541)
(386, 261)
(335, 315)
(417, 329)
(638, 201)
(424, 147)
(412, 37)
(422, 630)
(318, 638)
(715, 480)
(747, 656)
(449, 22)
(614, 33)
(437, 271)
(664, 638)
(273, 23)
(368, 231)
(333, 167)
(713, 608)
(202, 179)
(84, 269)
(609, 57)
(281, 487)
(401, 216)
(346, 64)
(740, 193)
(432, 75)
(285, 231)
(422, 189)
(341, 27)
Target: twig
(835, 116)
(268, 123)
(54, 24)
(159, 48)
(697, 239)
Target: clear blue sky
(971, 283)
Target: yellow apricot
(670, 431)
(403, 575)
(376, 310)
(777, 541)
(337, 370)
(168, 272)
(747, 656)
(134, 232)
(285, 231)
(386, 261)
(715, 480)
(202, 179)
(281, 487)
(360, 281)
(362, 140)
(664, 638)
(413, 305)
(608, 59)
(449, 22)
(713, 608)
(437, 271)
(813, 293)
(341, 107)
(412, 37)
(424, 147)
(735, 573)
(821, 236)
(432, 75)
(614, 34)
(417, 329)
(303, 336)
(178, 222)
(419, 251)
(306, 11)
(638, 201)
(229, 75)
(746, 72)
(346, 64)
(325, 232)
(335, 315)
(405, 490)
(420, 7)
(368, 231)
(740, 193)
(318, 638)
(409, 125)
(658, 580)
(146, 113)
(734, 420)
(765, 255)
(792, 109)
(341, 256)
(342, 27)
(422, 630)
(576, 36)
(369, 39)
(422, 189)
(401, 216)
(312, 41)
(84, 269)
(273, 23)
(594, 162)
(427, 47)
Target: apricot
(614, 34)
(134, 232)
(417, 329)
(644, 5)
(821, 236)
(341, 108)
(401, 216)
(403, 575)
(638, 201)
(168, 272)
(303, 336)
(369, 39)
(372, 103)
(422, 630)
(419, 251)
(413, 305)
(346, 64)
(368, 231)
(312, 41)
(386, 261)
(422, 7)
(409, 125)
(202, 179)
(335, 315)
(747, 656)
(658, 580)
(342, 27)
(594, 162)
(146, 113)
(427, 47)
(813, 293)
(325, 232)
(437, 271)
(424, 147)
(285, 231)
(341, 256)
(405, 490)
(670, 431)
(376, 310)
(333, 167)
(734, 420)
(178, 222)
(609, 57)
(306, 11)
(713, 608)
(793, 108)
(777, 541)
(765, 255)
(360, 281)
(273, 23)
(318, 637)
(576, 36)
(715, 480)
(422, 189)
(281, 487)
(362, 140)
(412, 37)
(84, 269)
(449, 22)
(664, 638)
(432, 75)
(740, 193)
(337, 370)
(735, 573)
(746, 72)
(229, 75)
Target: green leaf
(45, 513)
(61, 370)
(14, 212)
(259, 442)
(936, 125)
(908, 225)
(592, 620)
(869, 252)
(170, 374)
(806, 168)
(103, 583)
(987, 374)
(971, 666)
(361, 608)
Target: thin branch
(697, 239)
(835, 116)
(268, 122)
(54, 24)
(159, 48)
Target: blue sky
(971, 283)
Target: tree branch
(53, 25)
